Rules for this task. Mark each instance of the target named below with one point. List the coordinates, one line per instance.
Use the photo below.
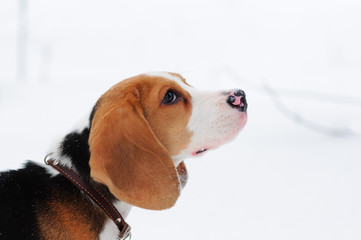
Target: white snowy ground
(277, 180)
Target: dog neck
(72, 150)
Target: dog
(130, 150)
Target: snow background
(278, 179)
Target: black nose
(237, 99)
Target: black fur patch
(26, 193)
(21, 191)
(75, 146)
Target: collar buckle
(126, 234)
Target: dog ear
(127, 157)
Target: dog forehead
(136, 84)
(173, 77)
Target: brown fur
(133, 137)
(70, 217)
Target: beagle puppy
(130, 149)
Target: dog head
(144, 126)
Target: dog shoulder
(18, 190)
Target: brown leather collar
(96, 196)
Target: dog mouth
(199, 151)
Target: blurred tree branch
(276, 98)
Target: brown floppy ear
(128, 158)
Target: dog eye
(169, 97)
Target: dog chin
(240, 123)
